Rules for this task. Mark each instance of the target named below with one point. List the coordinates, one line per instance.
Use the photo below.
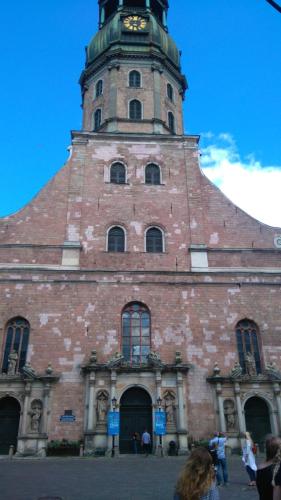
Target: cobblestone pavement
(124, 478)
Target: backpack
(214, 453)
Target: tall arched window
(135, 333)
(118, 173)
(135, 79)
(135, 112)
(97, 119)
(152, 174)
(247, 343)
(116, 239)
(99, 88)
(171, 122)
(17, 335)
(154, 240)
(170, 92)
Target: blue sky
(230, 55)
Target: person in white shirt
(218, 442)
(145, 442)
(249, 459)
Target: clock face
(135, 23)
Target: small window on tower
(170, 92)
(154, 240)
(171, 122)
(135, 79)
(135, 111)
(97, 119)
(99, 88)
(116, 240)
(118, 173)
(152, 174)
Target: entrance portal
(135, 416)
(257, 420)
(9, 424)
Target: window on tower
(16, 344)
(135, 110)
(171, 122)
(97, 119)
(170, 92)
(134, 79)
(154, 240)
(152, 174)
(136, 333)
(118, 173)
(248, 346)
(99, 88)
(116, 240)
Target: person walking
(218, 442)
(248, 458)
(135, 441)
(197, 480)
(266, 469)
(146, 442)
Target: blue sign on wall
(67, 418)
(113, 423)
(160, 423)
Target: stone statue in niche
(236, 371)
(102, 407)
(250, 364)
(170, 408)
(229, 413)
(12, 363)
(35, 416)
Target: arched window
(99, 88)
(116, 239)
(97, 119)
(247, 344)
(170, 92)
(135, 110)
(16, 344)
(135, 333)
(154, 240)
(152, 174)
(135, 79)
(171, 122)
(117, 173)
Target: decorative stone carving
(216, 370)
(116, 360)
(12, 363)
(236, 371)
(93, 358)
(28, 370)
(272, 371)
(178, 358)
(35, 416)
(102, 407)
(49, 369)
(250, 365)
(170, 408)
(229, 413)
(154, 359)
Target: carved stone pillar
(158, 381)
(113, 380)
(276, 389)
(91, 420)
(182, 420)
(220, 407)
(46, 395)
(27, 393)
(241, 423)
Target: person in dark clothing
(269, 469)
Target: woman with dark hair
(196, 481)
(270, 470)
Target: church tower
(132, 80)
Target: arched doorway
(9, 423)
(257, 420)
(135, 416)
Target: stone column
(157, 71)
(46, 395)
(276, 388)
(158, 382)
(220, 407)
(182, 419)
(113, 380)
(239, 407)
(24, 423)
(91, 420)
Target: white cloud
(250, 185)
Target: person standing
(248, 458)
(145, 442)
(266, 469)
(219, 442)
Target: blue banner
(160, 423)
(113, 423)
